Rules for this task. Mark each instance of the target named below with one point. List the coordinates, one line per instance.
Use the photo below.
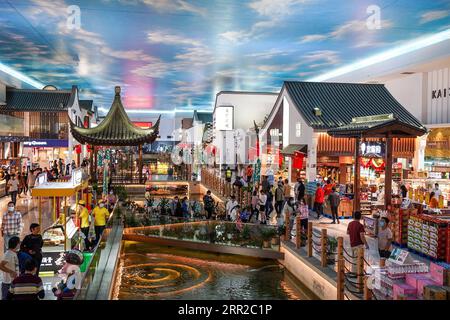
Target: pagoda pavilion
(115, 130)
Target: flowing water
(152, 272)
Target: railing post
(310, 243)
(340, 280)
(360, 269)
(340, 248)
(287, 221)
(323, 243)
(367, 293)
(298, 233)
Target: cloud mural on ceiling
(169, 54)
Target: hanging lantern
(78, 149)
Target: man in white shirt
(9, 265)
(231, 205)
(437, 191)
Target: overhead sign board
(46, 143)
(372, 149)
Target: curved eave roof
(116, 129)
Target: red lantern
(78, 148)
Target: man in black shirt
(32, 244)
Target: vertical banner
(106, 171)
(257, 171)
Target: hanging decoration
(298, 160)
(376, 164)
(106, 171)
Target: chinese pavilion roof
(116, 129)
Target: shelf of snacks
(398, 223)
(428, 234)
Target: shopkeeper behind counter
(434, 203)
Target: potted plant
(331, 248)
(282, 232)
(267, 234)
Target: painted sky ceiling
(169, 54)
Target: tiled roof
(116, 129)
(36, 100)
(203, 117)
(86, 105)
(339, 103)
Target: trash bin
(87, 259)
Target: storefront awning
(290, 149)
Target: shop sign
(440, 93)
(372, 149)
(223, 118)
(52, 261)
(438, 144)
(41, 143)
(77, 176)
(397, 165)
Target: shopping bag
(91, 234)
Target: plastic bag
(91, 234)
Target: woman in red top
(319, 200)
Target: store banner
(52, 261)
(438, 144)
(372, 149)
(46, 143)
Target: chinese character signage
(52, 261)
(224, 118)
(372, 149)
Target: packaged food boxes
(422, 283)
(439, 274)
(412, 278)
(401, 290)
(434, 293)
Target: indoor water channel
(152, 272)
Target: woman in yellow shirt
(101, 215)
(83, 215)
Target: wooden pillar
(140, 163)
(91, 162)
(40, 213)
(323, 244)
(310, 248)
(388, 172)
(367, 292)
(360, 269)
(340, 269)
(340, 280)
(356, 180)
(298, 233)
(287, 221)
(95, 163)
